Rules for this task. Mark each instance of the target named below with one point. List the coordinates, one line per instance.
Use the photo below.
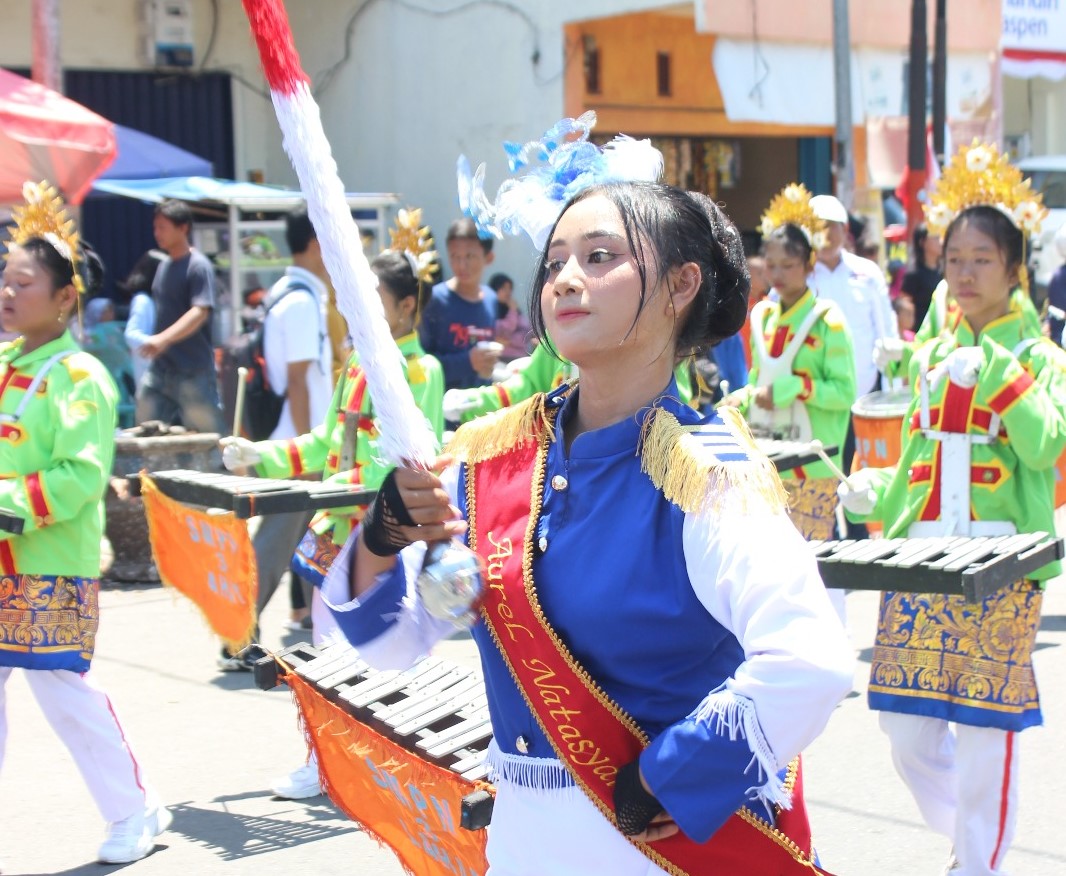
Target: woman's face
(977, 275)
(591, 294)
(29, 304)
(787, 272)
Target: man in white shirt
(857, 286)
(299, 362)
(299, 358)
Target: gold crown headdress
(980, 175)
(44, 216)
(414, 240)
(792, 206)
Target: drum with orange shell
(878, 420)
(1060, 481)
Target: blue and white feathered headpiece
(532, 201)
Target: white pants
(560, 832)
(82, 716)
(965, 781)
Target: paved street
(211, 743)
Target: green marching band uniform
(935, 654)
(944, 315)
(57, 420)
(820, 380)
(344, 449)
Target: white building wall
(1036, 107)
(417, 83)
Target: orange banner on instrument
(207, 557)
(408, 804)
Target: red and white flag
(405, 435)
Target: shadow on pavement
(233, 836)
(1053, 623)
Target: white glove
(456, 403)
(961, 366)
(239, 453)
(856, 497)
(887, 351)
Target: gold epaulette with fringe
(493, 434)
(695, 466)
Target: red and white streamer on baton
(405, 434)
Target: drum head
(886, 405)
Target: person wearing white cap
(857, 286)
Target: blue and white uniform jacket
(712, 630)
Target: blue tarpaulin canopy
(142, 156)
(200, 188)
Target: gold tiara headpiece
(413, 239)
(980, 175)
(792, 206)
(44, 216)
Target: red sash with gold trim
(591, 734)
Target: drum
(878, 421)
(1060, 481)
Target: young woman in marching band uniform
(631, 609)
(802, 380)
(57, 441)
(953, 681)
(892, 356)
(344, 447)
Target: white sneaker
(298, 784)
(157, 819)
(127, 840)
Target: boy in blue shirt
(458, 323)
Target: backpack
(262, 405)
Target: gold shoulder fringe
(693, 478)
(495, 433)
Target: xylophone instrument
(787, 455)
(249, 496)
(436, 709)
(971, 567)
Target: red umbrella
(45, 136)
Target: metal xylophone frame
(435, 709)
(250, 496)
(971, 567)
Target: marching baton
(238, 407)
(819, 448)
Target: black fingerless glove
(381, 525)
(634, 807)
